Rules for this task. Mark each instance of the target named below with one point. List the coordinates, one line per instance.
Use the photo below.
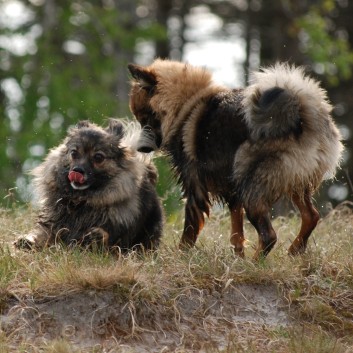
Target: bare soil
(195, 320)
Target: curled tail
(291, 128)
(282, 100)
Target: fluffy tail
(283, 104)
(281, 100)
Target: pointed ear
(145, 78)
(83, 123)
(79, 125)
(115, 127)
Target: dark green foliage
(76, 71)
(74, 66)
(327, 47)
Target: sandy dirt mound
(195, 320)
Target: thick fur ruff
(247, 147)
(116, 203)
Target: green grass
(179, 300)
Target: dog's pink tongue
(76, 177)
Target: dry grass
(201, 300)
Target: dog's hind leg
(258, 215)
(237, 235)
(194, 221)
(310, 217)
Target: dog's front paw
(96, 238)
(24, 243)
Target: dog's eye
(98, 158)
(74, 154)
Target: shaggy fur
(246, 147)
(115, 205)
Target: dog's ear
(115, 127)
(144, 77)
(83, 123)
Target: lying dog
(95, 189)
(245, 147)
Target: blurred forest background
(62, 61)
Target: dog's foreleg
(310, 216)
(37, 239)
(258, 216)
(96, 238)
(237, 235)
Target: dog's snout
(78, 170)
(147, 140)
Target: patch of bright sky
(13, 15)
(14, 96)
(212, 45)
(74, 47)
(209, 43)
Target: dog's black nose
(145, 149)
(78, 170)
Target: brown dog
(96, 189)
(245, 147)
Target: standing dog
(95, 189)
(245, 147)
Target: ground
(204, 300)
(98, 319)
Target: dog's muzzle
(148, 141)
(77, 179)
